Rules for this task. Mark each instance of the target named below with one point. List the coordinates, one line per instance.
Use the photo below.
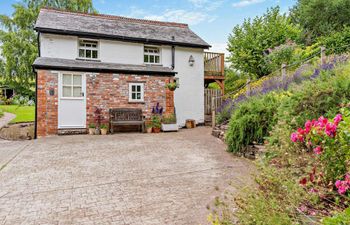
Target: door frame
(59, 95)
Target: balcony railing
(214, 64)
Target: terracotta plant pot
(156, 129)
(91, 131)
(97, 131)
(103, 131)
(149, 129)
(190, 124)
(172, 89)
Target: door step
(75, 131)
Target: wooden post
(248, 87)
(284, 72)
(323, 55)
(213, 116)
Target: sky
(212, 20)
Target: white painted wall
(189, 98)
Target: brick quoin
(105, 91)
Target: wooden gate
(212, 100)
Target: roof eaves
(120, 38)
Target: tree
(19, 46)
(320, 17)
(248, 42)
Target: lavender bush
(277, 84)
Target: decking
(214, 69)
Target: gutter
(173, 57)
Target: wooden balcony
(214, 68)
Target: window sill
(136, 102)
(92, 60)
(152, 64)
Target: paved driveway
(167, 178)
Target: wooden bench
(126, 116)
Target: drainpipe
(36, 92)
(173, 57)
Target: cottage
(92, 60)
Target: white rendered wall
(189, 98)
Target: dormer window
(151, 55)
(88, 49)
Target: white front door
(72, 100)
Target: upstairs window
(151, 55)
(88, 49)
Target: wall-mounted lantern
(191, 60)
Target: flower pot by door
(103, 131)
(91, 131)
(149, 129)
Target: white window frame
(148, 54)
(142, 85)
(62, 85)
(97, 48)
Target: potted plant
(149, 127)
(169, 123)
(92, 128)
(171, 86)
(156, 124)
(104, 129)
(98, 119)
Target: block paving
(125, 178)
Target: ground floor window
(136, 92)
(72, 85)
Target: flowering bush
(330, 140)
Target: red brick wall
(112, 91)
(105, 91)
(47, 105)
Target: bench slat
(126, 116)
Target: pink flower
(322, 121)
(337, 183)
(342, 189)
(318, 150)
(331, 129)
(308, 126)
(337, 119)
(294, 137)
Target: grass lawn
(23, 113)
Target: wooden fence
(212, 100)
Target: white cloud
(244, 3)
(181, 16)
(208, 5)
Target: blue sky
(213, 20)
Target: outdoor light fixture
(191, 60)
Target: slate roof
(96, 66)
(118, 28)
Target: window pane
(81, 53)
(138, 88)
(157, 59)
(77, 92)
(138, 96)
(88, 53)
(133, 96)
(67, 92)
(81, 43)
(77, 80)
(67, 79)
(94, 54)
(133, 88)
(151, 59)
(145, 59)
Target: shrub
(156, 121)
(342, 218)
(251, 121)
(330, 140)
(312, 99)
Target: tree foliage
(19, 41)
(321, 17)
(248, 42)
